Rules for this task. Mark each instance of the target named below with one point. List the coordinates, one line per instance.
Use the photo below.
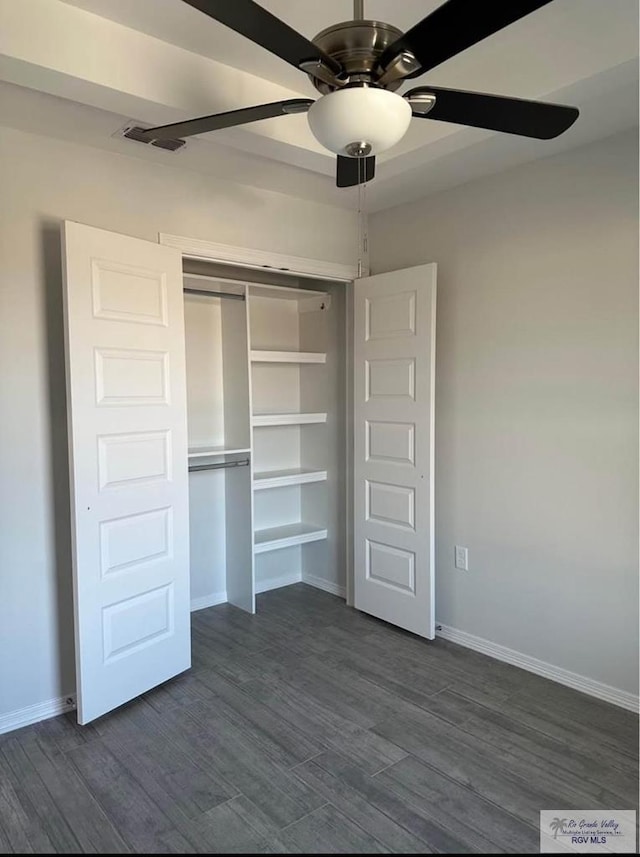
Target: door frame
(246, 257)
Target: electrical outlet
(462, 558)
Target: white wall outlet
(462, 558)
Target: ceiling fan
(358, 65)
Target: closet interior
(266, 376)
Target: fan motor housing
(357, 46)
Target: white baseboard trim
(208, 601)
(277, 582)
(578, 682)
(35, 713)
(326, 585)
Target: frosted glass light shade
(361, 114)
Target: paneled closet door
(126, 402)
(394, 362)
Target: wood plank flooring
(311, 728)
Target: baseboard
(35, 713)
(277, 582)
(208, 601)
(578, 682)
(326, 585)
(273, 583)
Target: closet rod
(217, 466)
(190, 291)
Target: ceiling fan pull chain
(364, 217)
(363, 249)
(360, 230)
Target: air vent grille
(139, 134)
(170, 145)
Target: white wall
(44, 181)
(536, 403)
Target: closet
(266, 433)
(233, 429)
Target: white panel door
(394, 363)
(126, 392)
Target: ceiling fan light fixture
(348, 120)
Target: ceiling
(156, 61)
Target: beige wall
(536, 403)
(536, 443)
(43, 181)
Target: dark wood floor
(311, 728)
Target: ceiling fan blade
(251, 20)
(226, 120)
(454, 27)
(497, 113)
(354, 171)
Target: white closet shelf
(264, 356)
(204, 451)
(259, 420)
(283, 478)
(287, 536)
